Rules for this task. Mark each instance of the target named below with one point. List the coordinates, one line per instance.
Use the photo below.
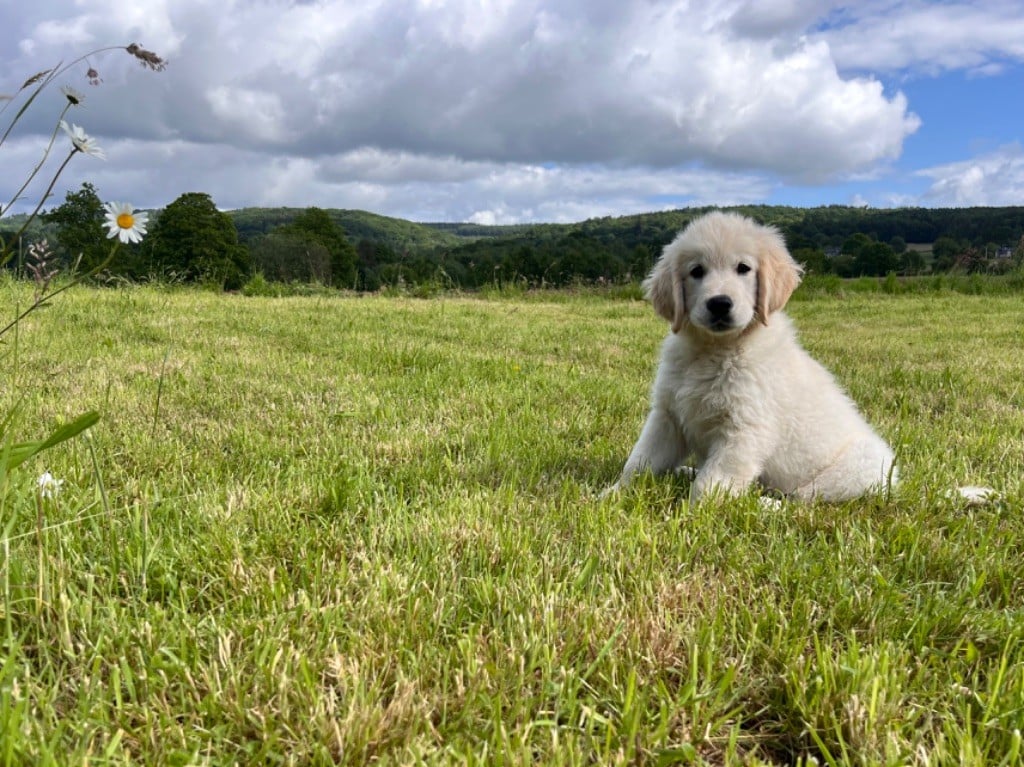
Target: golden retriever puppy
(734, 388)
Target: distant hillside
(478, 231)
(398, 234)
(842, 240)
(14, 223)
(803, 227)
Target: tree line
(191, 240)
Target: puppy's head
(721, 275)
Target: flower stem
(49, 296)
(42, 160)
(46, 195)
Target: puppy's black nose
(719, 306)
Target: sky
(516, 111)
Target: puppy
(734, 388)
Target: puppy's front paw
(690, 472)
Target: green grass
(318, 530)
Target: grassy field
(367, 530)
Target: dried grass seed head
(39, 264)
(35, 78)
(147, 58)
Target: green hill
(842, 240)
(396, 233)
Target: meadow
(351, 530)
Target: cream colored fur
(734, 388)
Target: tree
(316, 226)
(912, 262)
(870, 257)
(523, 263)
(287, 258)
(875, 259)
(946, 250)
(641, 261)
(971, 260)
(843, 265)
(855, 243)
(369, 255)
(814, 260)
(79, 222)
(195, 241)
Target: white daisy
(125, 222)
(83, 143)
(74, 97)
(48, 486)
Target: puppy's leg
(861, 468)
(659, 449)
(731, 467)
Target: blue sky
(966, 119)
(506, 111)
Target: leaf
(685, 753)
(18, 453)
(585, 574)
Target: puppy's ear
(777, 277)
(665, 291)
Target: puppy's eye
(697, 272)
(742, 269)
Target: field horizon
(342, 529)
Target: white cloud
(372, 164)
(51, 33)
(516, 81)
(995, 179)
(789, 112)
(928, 37)
(419, 187)
(757, 18)
(470, 24)
(254, 114)
(501, 109)
(427, 188)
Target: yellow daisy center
(125, 220)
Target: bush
(819, 284)
(259, 286)
(891, 284)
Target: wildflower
(125, 222)
(74, 97)
(148, 59)
(93, 76)
(83, 143)
(49, 487)
(40, 264)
